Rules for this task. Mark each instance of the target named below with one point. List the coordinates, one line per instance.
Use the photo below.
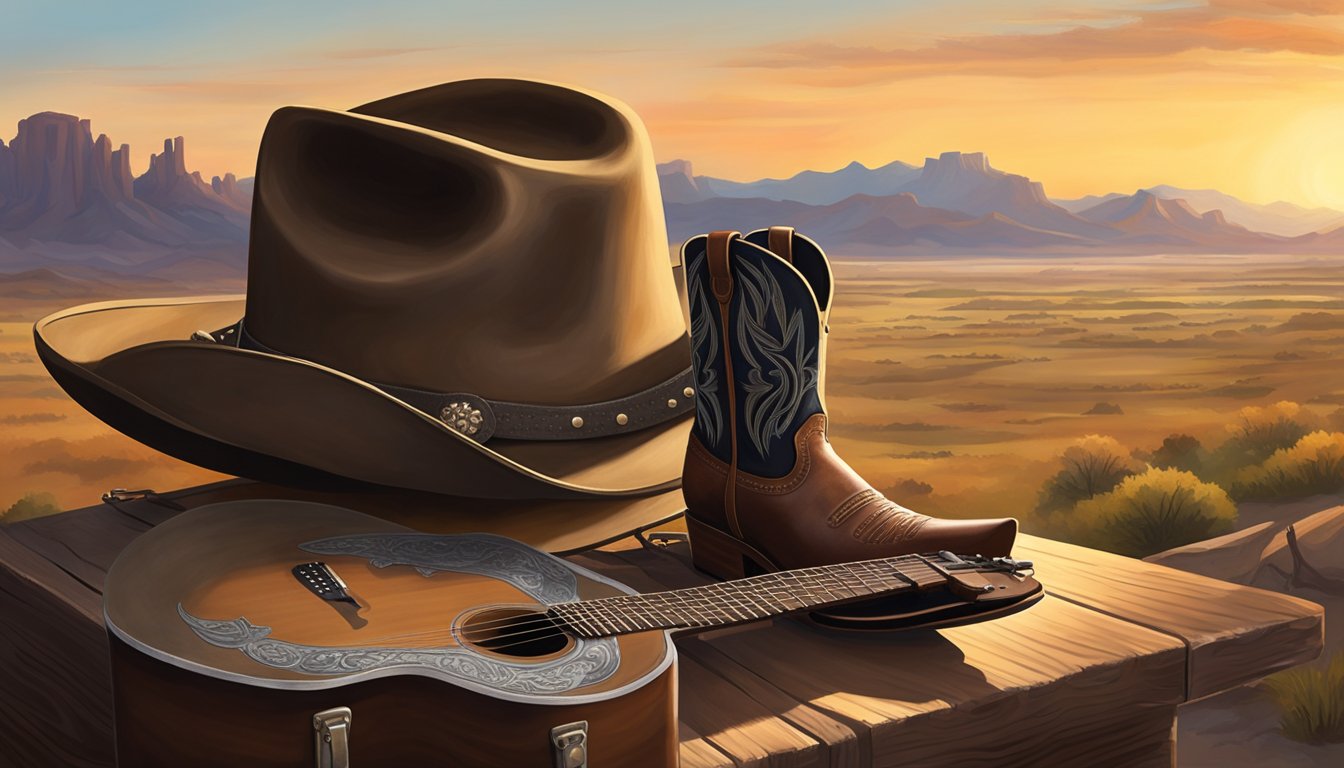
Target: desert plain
(954, 383)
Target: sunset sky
(1246, 96)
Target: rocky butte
(58, 184)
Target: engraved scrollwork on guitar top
(539, 575)
(590, 662)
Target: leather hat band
(481, 419)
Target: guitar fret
(686, 607)
(858, 576)
(611, 616)
(749, 599)
(732, 605)
(577, 614)
(696, 612)
(581, 612)
(656, 612)
(596, 617)
(672, 615)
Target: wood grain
(1235, 634)
(908, 697)
(83, 543)
(740, 727)
(698, 753)
(841, 745)
(55, 688)
(1091, 676)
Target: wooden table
(1090, 676)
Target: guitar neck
(743, 600)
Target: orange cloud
(1272, 7)
(1154, 35)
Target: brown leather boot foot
(819, 513)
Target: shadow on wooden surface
(1091, 675)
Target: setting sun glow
(1306, 161)
(1108, 96)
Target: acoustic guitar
(284, 633)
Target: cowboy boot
(764, 490)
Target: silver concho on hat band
(468, 415)
(480, 419)
(463, 417)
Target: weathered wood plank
(1090, 676)
(651, 570)
(725, 681)
(842, 746)
(1235, 634)
(698, 753)
(852, 680)
(83, 542)
(739, 727)
(55, 685)
(1062, 676)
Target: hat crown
(498, 237)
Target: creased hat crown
(498, 237)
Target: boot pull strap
(780, 241)
(717, 248)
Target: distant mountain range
(69, 205)
(69, 201)
(1280, 218)
(958, 202)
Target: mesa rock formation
(60, 186)
(959, 202)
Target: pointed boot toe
(991, 537)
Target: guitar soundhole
(513, 631)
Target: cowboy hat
(462, 290)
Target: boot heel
(715, 552)
(723, 555)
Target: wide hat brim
(291, 421)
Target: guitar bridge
(323, 582)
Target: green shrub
(1151, 512)
(1181, 452)
(1315, 464)
(1093, 465)
(1311, 701)
(1260, 433)
(30, 506)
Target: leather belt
(482, 419)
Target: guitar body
(221, 656)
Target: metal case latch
(331, 735)
(570, 742)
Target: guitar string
(903, 586)
(712, 601)
(538, 633)
(716, 603)
(824, 571)
(713, 604)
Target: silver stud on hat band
(483, 419)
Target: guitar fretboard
(749, 599)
